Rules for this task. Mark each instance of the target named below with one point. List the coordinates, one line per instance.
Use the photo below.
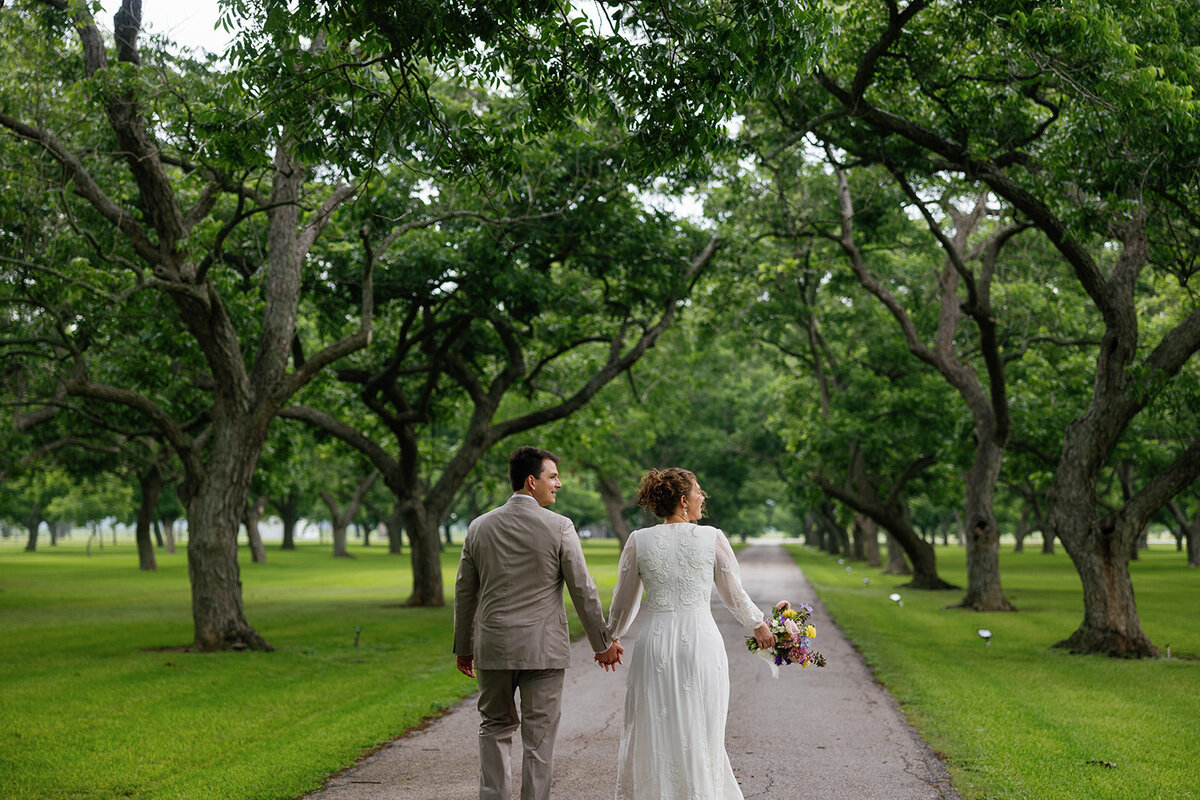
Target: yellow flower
(790, 614)
(810, 632)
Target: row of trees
(944, 268)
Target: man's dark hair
(526, 461)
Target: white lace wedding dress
(677, 690)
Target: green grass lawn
(1016, 720)
(90, 707)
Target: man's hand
(610, 657)
(466, 665)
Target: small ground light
(847, 569)
(866, 581)
(895, 598)
(986, 635)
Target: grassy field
(90, 707)
(1015, 720)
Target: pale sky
(188, 22)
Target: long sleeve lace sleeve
(627, 596)
(728, 579)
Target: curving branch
(382, 460)
(86, 186)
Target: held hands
(610, 657)
(764, 637)
(466, 665)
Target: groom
(510, 625)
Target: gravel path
(832, 733)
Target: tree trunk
(151, 484)
(395, 531)
(833, 534)
(340, 519)
(168, 524)
(870, 539)
(32, 523)
(1110, 618)
(615, 507)
(426, 559)
(897, 563)
(1047, 541)
(215, 510)
(817, 531)
(982, 535)
(253, 516)
(1189, 531)
(857, 545)
(289, 514)
(891, 513)
(1100, 551)
(158, 537)
(339, 539)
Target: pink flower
(792, 628)
(782, 605)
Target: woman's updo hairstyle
(661, 490)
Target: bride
(677, 692)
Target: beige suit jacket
(508, 601)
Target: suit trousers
(541, 710)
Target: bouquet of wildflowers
(793, 638)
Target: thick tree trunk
(215, 510)
(253, 516)
(857, 545)
(1100, 551)
(897, 562)
(834, 536)
(982, 536)
(615, 507)
(423, 539)
(1110, 618)
(1047, 541)
(289, 514)
(168, 524)
(151, 484)
(339, 539)
(813, 536)
(870, 539)
(32, 523)
(920, 555)
(395, 531)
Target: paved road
(832, 733)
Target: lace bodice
(678, 564)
